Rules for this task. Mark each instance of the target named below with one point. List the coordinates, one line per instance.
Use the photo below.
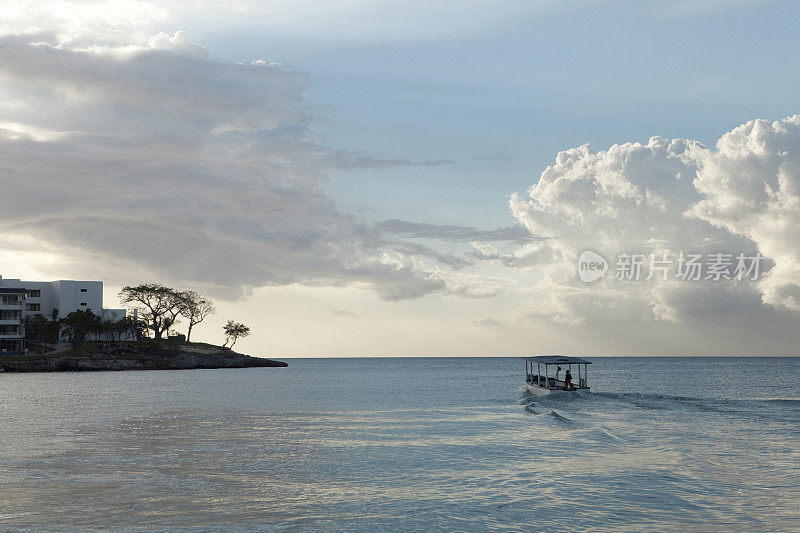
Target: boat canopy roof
(558, 360)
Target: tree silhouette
(196, 309)
(233, 332)
(159, 306)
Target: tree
(36, 332)
(129, 328)
(35, 327)
(112, 329)
(78, 324)
(104, 329)
(196, 309)
(159, 306)
(52, 331)
(233, 332)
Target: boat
(538, 378)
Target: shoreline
(125, 358)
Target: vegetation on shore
(154, 310)
(145, 347)
(160, 307)
(148, 354)
(144, 340)
(234, 331)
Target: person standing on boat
(568, 380)
(558, 371)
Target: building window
(34, 294)
(33, 307)
(83, 290)
(13, 345)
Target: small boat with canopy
(546, 374)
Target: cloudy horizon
(388, 192)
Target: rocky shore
(122, 358)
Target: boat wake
(661, 401)
(586, 402)
(559, 417)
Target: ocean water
(405, 444)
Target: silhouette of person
(568, 381)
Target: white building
(59, 298)
(12, 331)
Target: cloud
(474, 285)
(180, 41)
(532, 254)
(82, 22)
(751, 187)
(664, 197)
(345, 313)
(421, 230)
(108, 21)
(418, 250)
(111, 22)
(491, 323)
(182, 168)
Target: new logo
(591, 266)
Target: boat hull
(536, 390)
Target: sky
(386, 178)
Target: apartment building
(49, 298)
(12, 331)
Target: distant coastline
(156, 356)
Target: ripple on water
(399, 444)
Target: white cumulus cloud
(667, 197)
(751, 187)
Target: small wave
(733, 406)
(559, 417)
(661, 401)
(605, 435)
(783, 401)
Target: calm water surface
(405, 444)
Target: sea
(405, 444)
